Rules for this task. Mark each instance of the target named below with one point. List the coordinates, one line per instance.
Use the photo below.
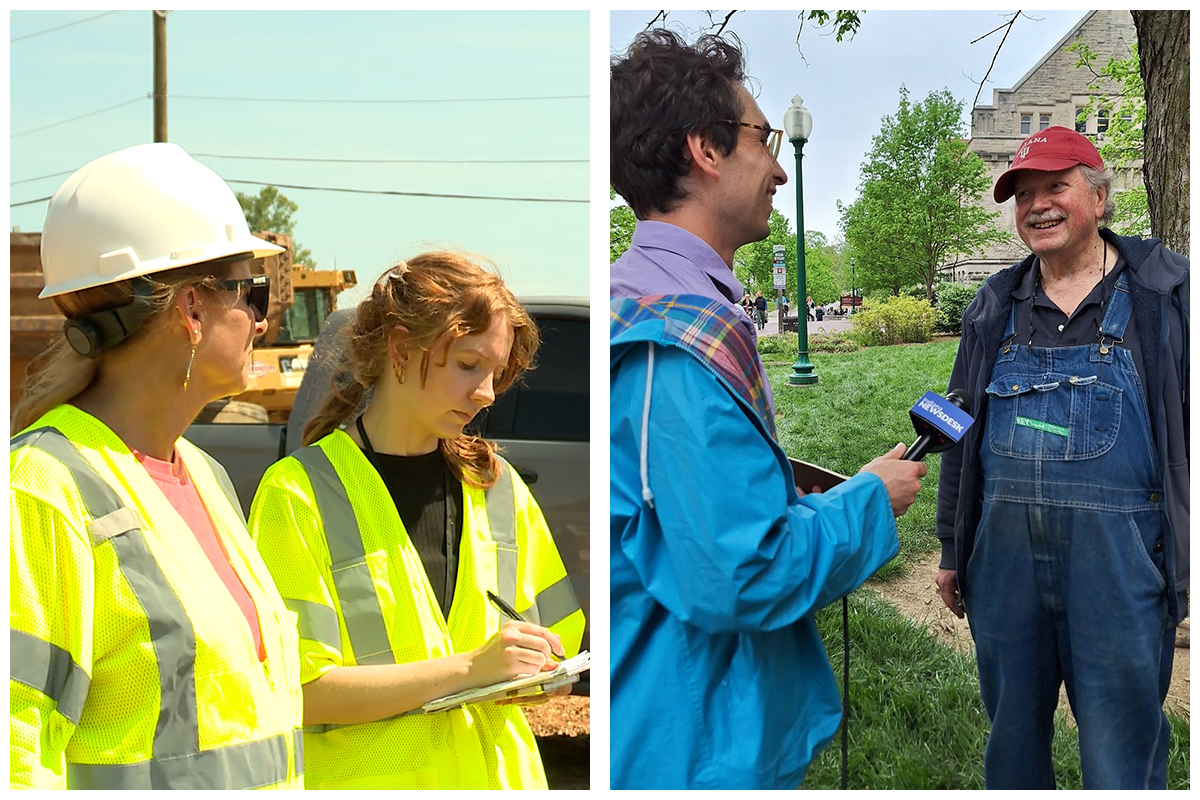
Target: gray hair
(1102, 178)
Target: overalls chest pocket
(1053, 416)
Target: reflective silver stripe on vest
(177, 759)
(351, 576)
(317, 623)
(223, 481)
(50, 670)
(501, 508)
(553, 604)
(240, 766)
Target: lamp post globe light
(797, 124)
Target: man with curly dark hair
(719, 678)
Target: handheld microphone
(939, 423)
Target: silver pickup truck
(541, 426)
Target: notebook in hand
(566, 672)
(807, 475)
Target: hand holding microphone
(901, 478)
(939, 424)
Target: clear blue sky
(541, 248)
(849, 86)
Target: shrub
(824, 341)
(895, 320)
(952, 300)
(783, 343)
(787, 345)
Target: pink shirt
(176, 485)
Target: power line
(408, 194)
(352, 161)
(81, 116)
(399, 160)
(60, 27)
(41, 177)
(30, 202)
(344, 100)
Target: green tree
(1123, 145)
(754, 267)
(918, 194)
(271, 210)
(620, 228)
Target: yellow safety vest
(330, 534)
(131, 666)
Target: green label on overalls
(1043, 426)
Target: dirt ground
(917, 597)
(562, 726)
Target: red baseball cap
(1048, 150)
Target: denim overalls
(1065, 582)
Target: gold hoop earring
(188, 376)
(399, 370)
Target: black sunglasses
(256, 290)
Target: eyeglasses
(257, 291)
(772, 141)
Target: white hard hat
(141, 210)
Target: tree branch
(995, 55)
(661, 14)
(724, 22)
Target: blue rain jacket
(719, 678)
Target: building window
(1127, 118)
(1043, 122)
(1102, 120)
(1024, 124)
(1080, 120)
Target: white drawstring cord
(647, 495)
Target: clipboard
(807, 475)
(567, 672)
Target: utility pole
(160, 75)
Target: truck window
(550, 402)
(302, 322)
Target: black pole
(845, 682)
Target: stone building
(1051, 93)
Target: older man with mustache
(1064, 516)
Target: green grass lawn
(859, 410)
(916, 720)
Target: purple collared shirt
(664, 259)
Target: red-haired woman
(385, 536)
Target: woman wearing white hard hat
(149, 647)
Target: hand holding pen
(512, 614)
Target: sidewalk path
(830, 324)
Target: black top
(429, 501)
(1052, 328)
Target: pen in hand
(512, 614)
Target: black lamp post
(797, 124)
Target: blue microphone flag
(947, 418)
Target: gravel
(562, 726)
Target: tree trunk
(1164, 48)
